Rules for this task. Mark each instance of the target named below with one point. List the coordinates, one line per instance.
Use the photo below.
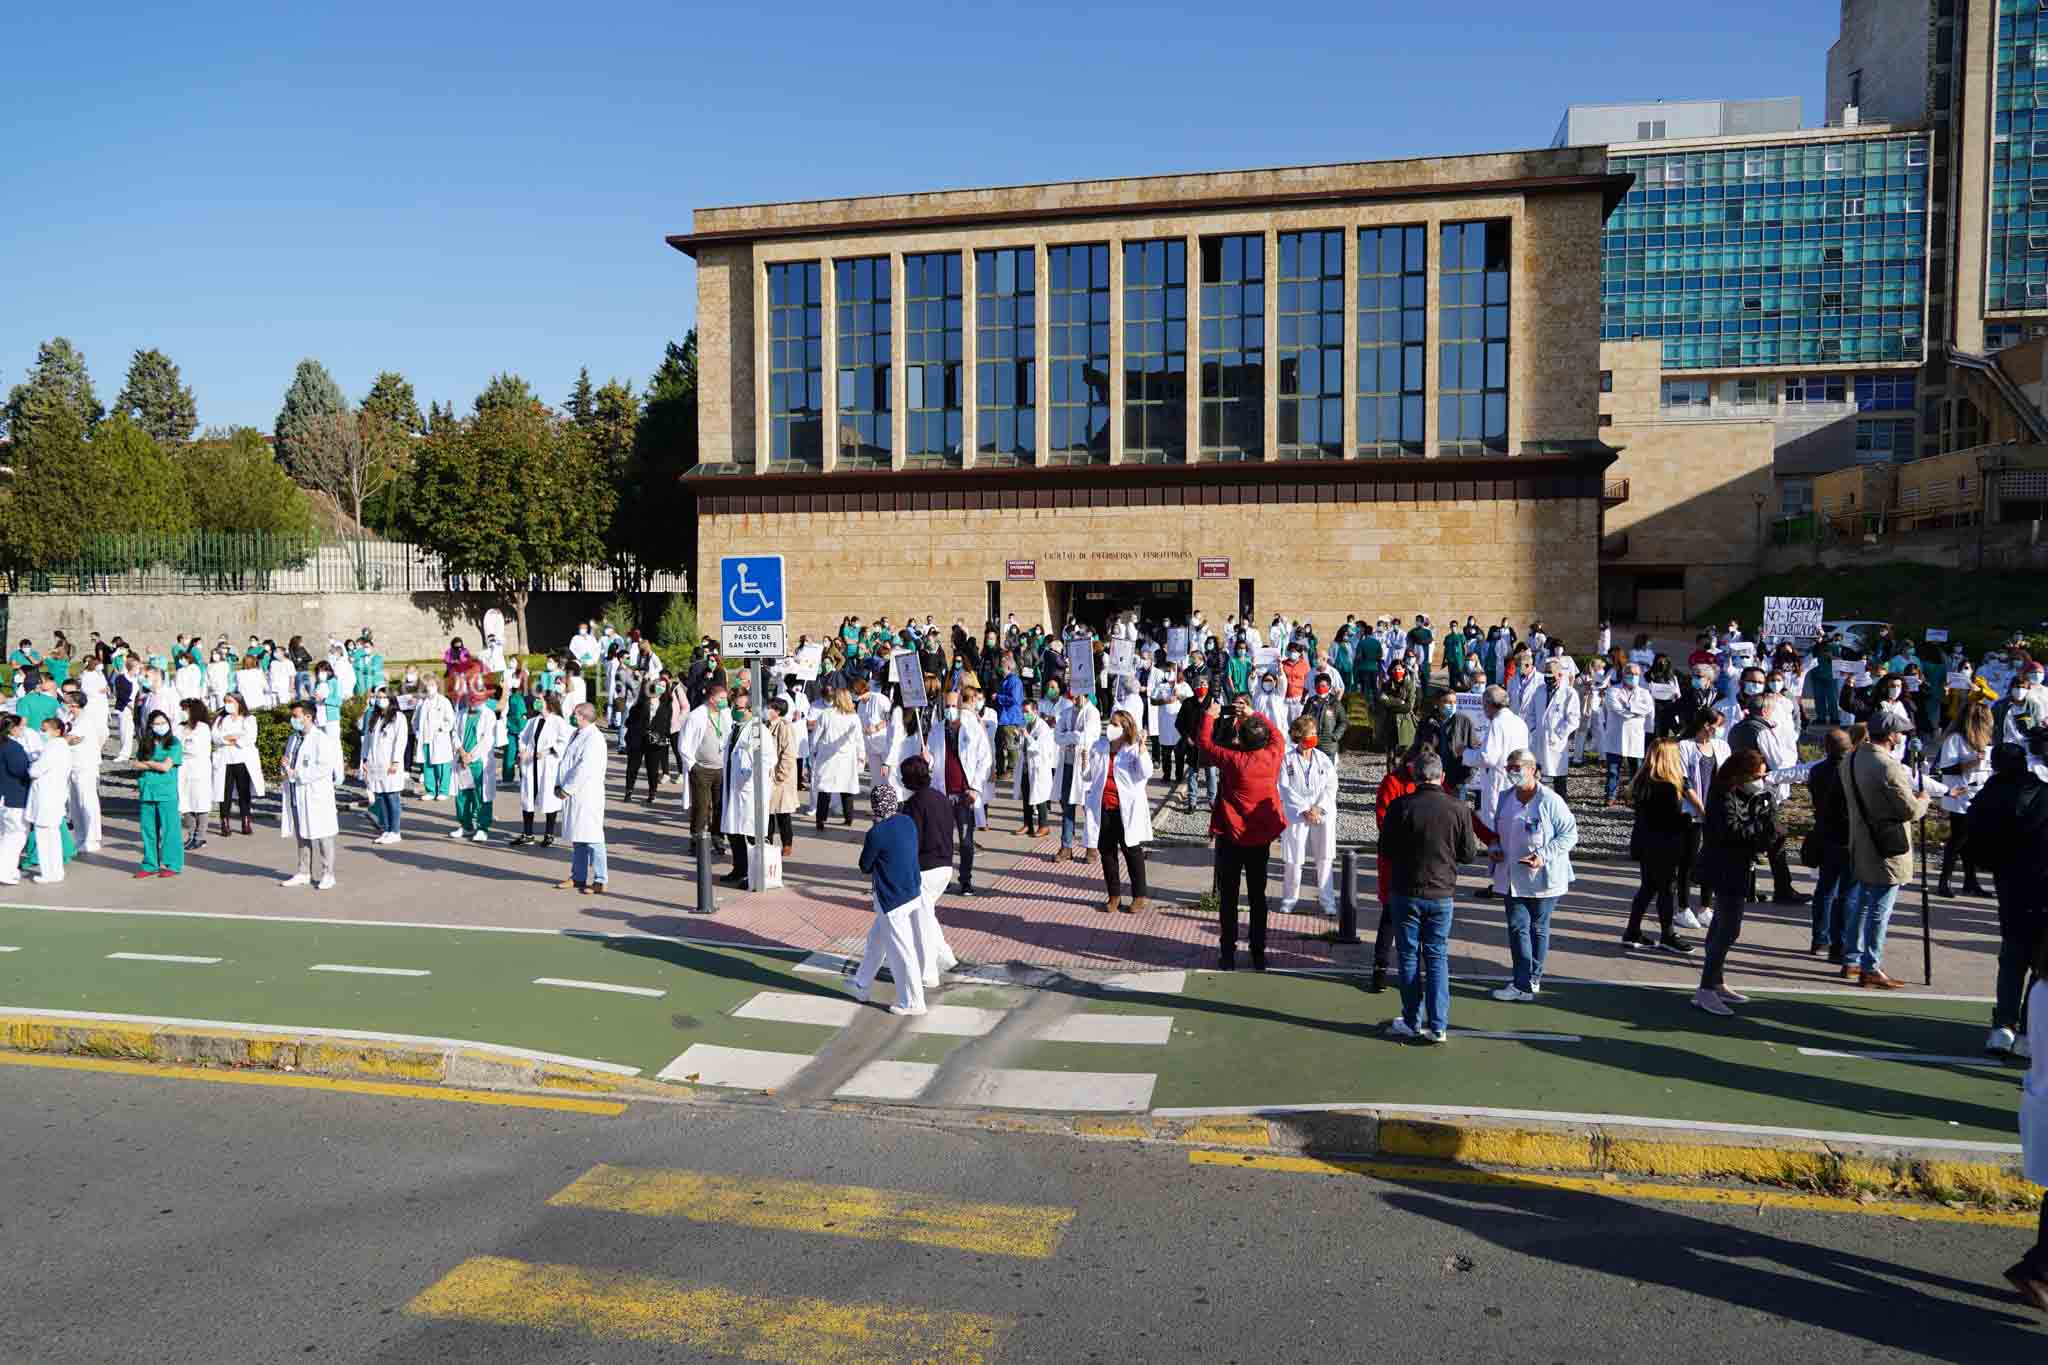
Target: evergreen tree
(655, 528)
(313, 398)
(145, 494)
(582, 405)
(506, 391)
(156, 399)
(391, 401)
(55, 495)
(614, 417)
(235, 484)
(58, 380)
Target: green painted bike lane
(1245, 1040)
(480, 985)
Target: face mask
(1308, 743)
(1269, 684)
(299, 723)
(1752, 689)
(1892, 693)
(1201, 692)
(1449, 708)
(1634, 679)
(1322, 689)
(1777, 686)
(952, 713)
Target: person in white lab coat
(1552, 713)
(87, 739)
(383, 765)
(541, 746)
(907, 740)
(749, 759)
(1038, 760)
(1118, 808)
(475, 772)
(872, 705)
(433, 720)
(1269, 699)
(311, 767)
(1505, 733)
(1308, 798)
(838, 750)
(1626, 712)
(1076, 727)
(49, 800)
(579, 783)
(962, 759)
(195, 775)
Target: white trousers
(49, 853)
(13, 839)
(1301, 841)
(127, 735)
(934, 954)
(890, 940)
(85, 800)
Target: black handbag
(1888, 835)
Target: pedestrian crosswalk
(905, 1081)
(610, 1304)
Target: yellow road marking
(1616, 1189)
(1230, 1133)
(559, 1103)
(833, 1210)
(563, 1298)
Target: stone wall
(1888, 41)
(406, 626)
(1522, 560)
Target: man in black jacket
(1448, 731)
(1426, 837)
(933, 815)
(1831, 837)
(2009, 824)
(1754, 731)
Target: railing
(258, 562)
(1750, 412)
(1614, 492)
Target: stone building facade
(849, 352)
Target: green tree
(655, 530)
(55, 495)
(235, 484)
(391, 400)
(508, 496)
(58, 380)
(145, 492)
(312, 397)
(581, 404)
(614, 419)
(157, 399)
(440, 417)
(506, 391)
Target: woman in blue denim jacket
(1533, 838)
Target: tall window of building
(862, 306)
(1472, 360)
(796, 353)
(1311, 323)
(1884, 440)
(1156, 351)
(1234, 347)
(1884, 392)
(931, 356)
(1685, 393)
(1078, 359)
(1393, 303)
(1005, 356)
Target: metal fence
(255, 561)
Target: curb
(1850, 1169)
(311, 1053)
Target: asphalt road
(164, 1220)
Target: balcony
(1752, 412)
(1613, 492)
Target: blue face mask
(1754, 689)
(952, 713)
(299, 723)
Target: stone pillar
(757, 340)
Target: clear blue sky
(450, 191)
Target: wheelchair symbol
(743, 587)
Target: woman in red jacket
(1247, 817)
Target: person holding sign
(1962, 766)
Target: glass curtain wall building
(2016, 256)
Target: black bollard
(707, 894)
(1347, 898)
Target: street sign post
(754, 625)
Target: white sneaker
(301, 879)
(906, 1011)
(40, 880)
(1513, 995)
(1711, 1002)
(931, 983)
(482, 836)
(1287, 908)
(1435, 1035)
(324, 884)
(1401, 1028)
(1706, 918)
(1536, 986)
(457, 833)
(2000, 1042)
(854, 989)
(1686, 919)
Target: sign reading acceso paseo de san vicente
(752, 606)
(1792, 618)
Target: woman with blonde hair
(1658, 844)
(838, 752)
(1963, 766)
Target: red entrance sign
(1020, 570)
(1212, 568)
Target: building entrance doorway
(1092, 604)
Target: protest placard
(1792, 618)
(909, 680)
(1936, 635)
(1664, 691)
(1177, 644)
(1123, 658)
(1959, 680)
(808, 660)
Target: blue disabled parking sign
(751, 607)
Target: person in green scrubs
(517, 711)
(157, 757)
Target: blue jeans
(1827, 702)
(1067, 824)
(1831, 902)
(1615, 765)
(586, 864)
(1424, 927)
(1529, 937)
(1870, 916)
(384, 809)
